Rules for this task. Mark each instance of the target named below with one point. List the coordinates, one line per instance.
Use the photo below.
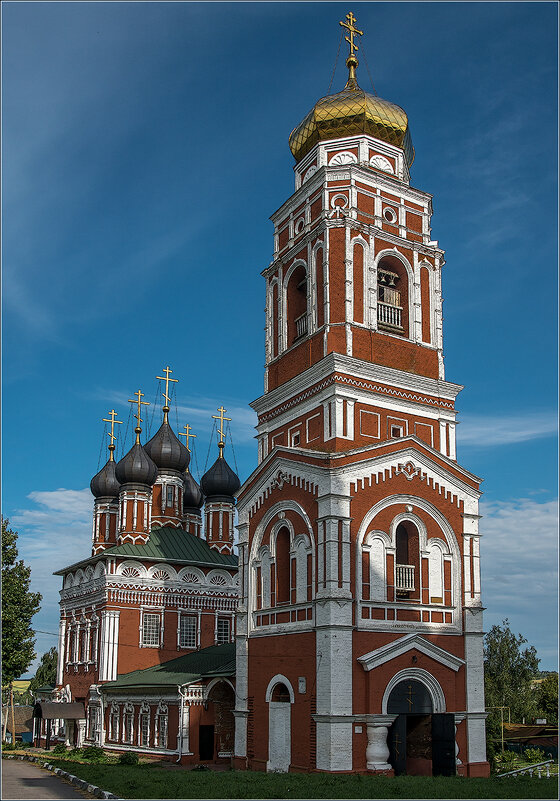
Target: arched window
(283, 566)
(392, 296)
(297, 304)
(280, 693)
(407, 568)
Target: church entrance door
(421, 743)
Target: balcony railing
(389, 315)
(301, 325)
(404, 579)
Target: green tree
(547, 698)
(46, 671)
(19, 605)
(508, 671)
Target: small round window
(300, 225)
(389, 215)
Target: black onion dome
(104, 484)
(220, 480)
(192, 495)
(166, 450)
(136, 467)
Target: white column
(443, 437)
(61, 651)
(184, 729)
(109, 646)
(452, 444)
(474, 676)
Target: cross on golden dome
(352, 30)
(140, 403)
(111, 434)
(165, 394)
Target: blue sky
(145, 145)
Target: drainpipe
(180, 727)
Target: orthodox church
(347, 636)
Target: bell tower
(358, 531)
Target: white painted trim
(279, 679)
(404, 644)
(417, 674)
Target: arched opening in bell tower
(392, 296)
(283, 566)
(407, 568)
(297, 304)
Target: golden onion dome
(352, 112)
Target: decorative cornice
(407, 643)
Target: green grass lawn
(153, 781)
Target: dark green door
(443, 745)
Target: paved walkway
(23, 780)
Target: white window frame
(219, 635)
(192, 619)
(153, 614)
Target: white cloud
(54, 533)
(519, 560)
(487, 431)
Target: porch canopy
(47, 710)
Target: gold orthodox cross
(187, 435)
(221, 418)
(165, 394)
(352, 30)
(140, 403)
(396, 743)
(111, 434)
(410, 700)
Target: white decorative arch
(429, 509)
(281, 523)
(100, 570)
(131, 569)
(259, 552)
(279, 679)
(78, 576)
(191, 575)
(209, 687)
(416, 674)
(88, 576)
(381, 163)
(219, 578)
(308, 173)
(68, 580)
(163, 572)
(344, 157)
(339, 196)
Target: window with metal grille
(170, 496)
(144, 730)
(187, 631)
(223, 630)
(92, 723)
(161, 731)
(128, 726)
(114, 726)
(151, 629)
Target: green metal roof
(167, 544)
(218, 660)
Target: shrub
(8, 746)
(201, 767)
(534, 755)
(93, 753)
(59, 748)
(128, 758)
(77, 752)
(505, 761)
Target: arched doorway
(280, 699)
(222, 697)
(421, 742)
